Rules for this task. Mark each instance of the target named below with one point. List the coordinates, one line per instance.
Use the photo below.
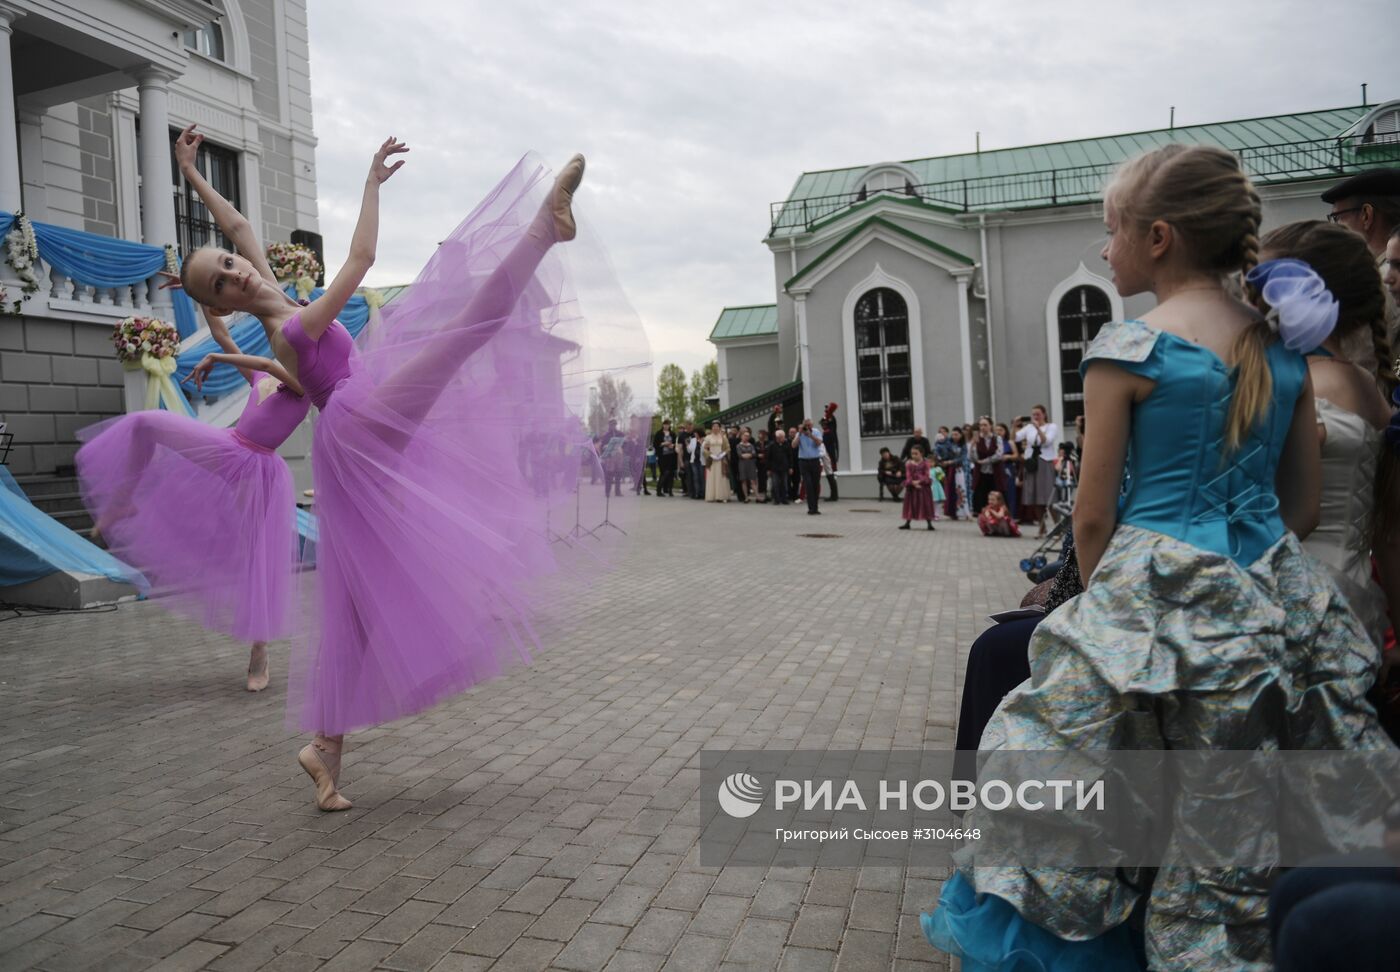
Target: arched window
(1082, 312)
(208, 39)
(882, 364)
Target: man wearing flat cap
(1369, 204)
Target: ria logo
(740, 795)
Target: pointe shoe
(257, 681)
(327, 798)
(559, 205)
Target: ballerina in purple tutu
(431, 521)
(165, 489)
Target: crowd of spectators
(1003, 476)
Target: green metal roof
(1080, 154)
(774, 396)
(741, 322)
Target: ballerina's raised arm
(321, 312)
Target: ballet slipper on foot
(258, 675)
(559, 205)
(327, 798)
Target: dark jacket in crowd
(831, 440)
(779, 457)
(891, 471)
(915, 440)
(774, 424)
(658, 439)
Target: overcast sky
(696, 116)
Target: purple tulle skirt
(446, 463)
(208, 519)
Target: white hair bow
(1301, 308)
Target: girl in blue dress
(1203, 626)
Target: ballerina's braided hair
(1344, 262)
(1202, 192)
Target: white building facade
(930, 292)
(99, 88)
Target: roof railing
(1286, 162)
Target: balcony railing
(116, 265)
(1290, 162)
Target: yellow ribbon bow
(158, 383)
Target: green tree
(704, 384)
(611, 399)
(671, 398)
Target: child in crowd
(918, 483)
(1179, 641)
(995, 518)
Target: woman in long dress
(715, 450)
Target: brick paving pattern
(152, 815)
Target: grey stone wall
(55, 377)
(96, 155)
(260, 16)
(751, 370)
(279, 208)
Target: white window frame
(1081, 277)
(879, 278)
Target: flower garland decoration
(294, 262)
(22, 253)
(134, 337)
(151, 345)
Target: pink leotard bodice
(323, 364)
(268, 420)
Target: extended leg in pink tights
(414, 388)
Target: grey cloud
(695, 117)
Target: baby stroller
(1049, 555)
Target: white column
(11, 193)
(127, 176)
(804, 356)
(965, 336)
(157, 200)
(722, 363)
(31, 148)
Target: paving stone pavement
(152, 815)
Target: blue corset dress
(1203, 613)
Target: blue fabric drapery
(98, 261)
(247, 332)
(186, 317)
(34, 545)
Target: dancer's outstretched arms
(251, 362)
(321, 312)
(218, 330)
(233, 223)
